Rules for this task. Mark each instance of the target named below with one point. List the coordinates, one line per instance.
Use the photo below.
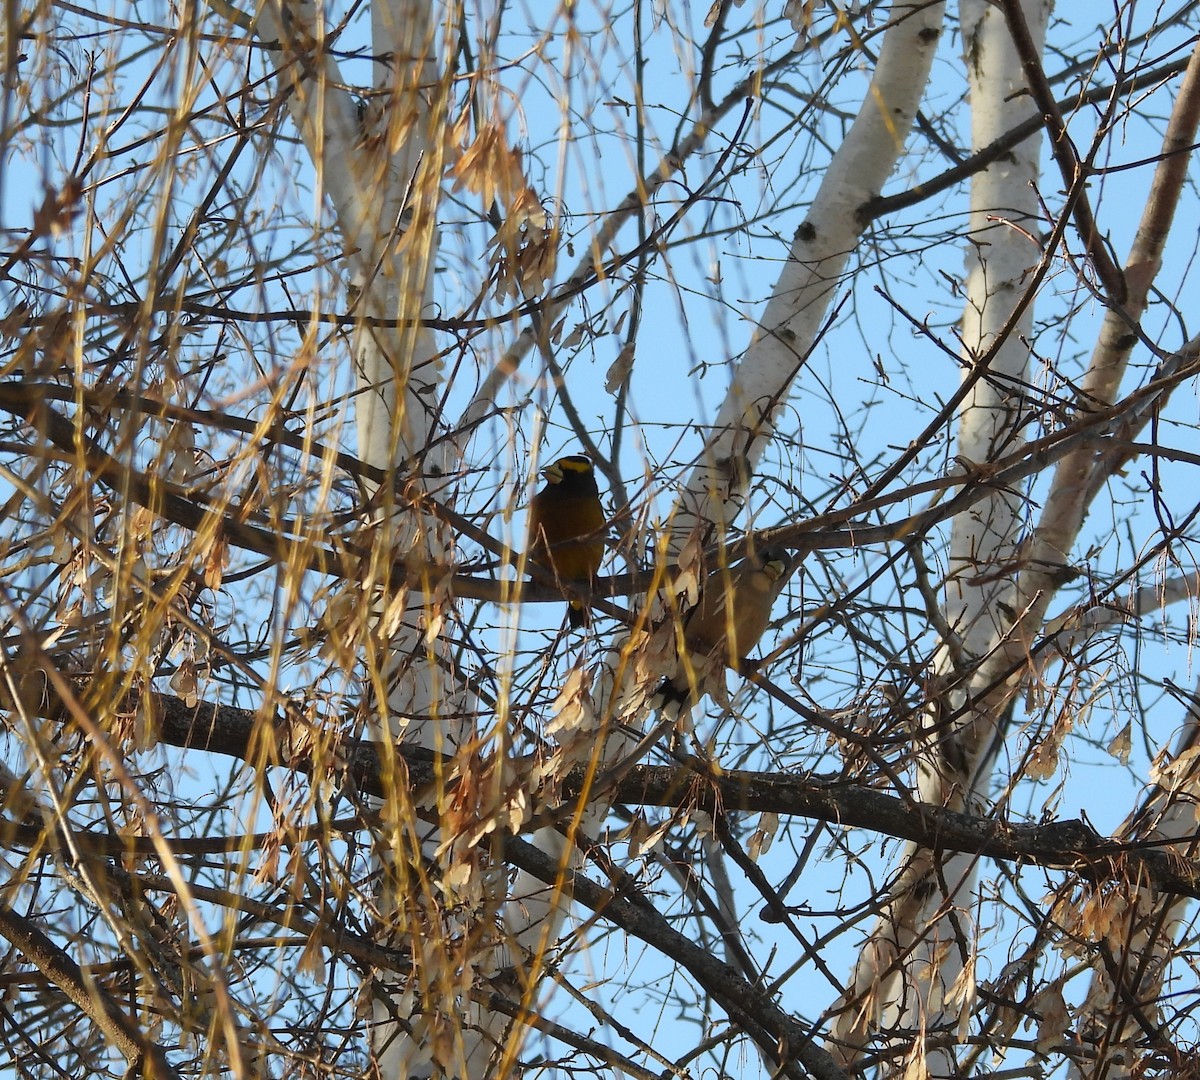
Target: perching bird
(717, 633)
(566, 526)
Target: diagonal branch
(1065, 845)
(881, 205)
(144, 1056)
(1069, 165)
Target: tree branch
(1073, 172)
(1065, 845)
(144, 1057)
(886, 204)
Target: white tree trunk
(915, 971)
(790, 324)
(382, 169)
(818, 257)
(788, 329)
(1137, 926)
(1141, 929)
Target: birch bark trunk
(382, 167)
(915, 971)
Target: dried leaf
(62, 548)
(215, 562)
(1122, 745)
(58, 209)
(268, 866)
(916, 1067)
(574, 710)
(962, 995)
(489, 168)
(575, 336)
(763, 836)
(141, 523)
(433, 627)
(800, 14)
(312, 961)
(179, 453)
(1051, 1007)
(1169, 774)
(619, 371)
(185, 684)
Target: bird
(717, 632)
(566, 526)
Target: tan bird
(566, 526)
(718, 632)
